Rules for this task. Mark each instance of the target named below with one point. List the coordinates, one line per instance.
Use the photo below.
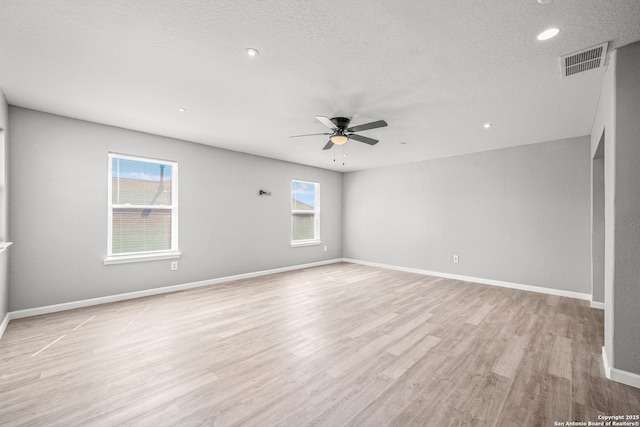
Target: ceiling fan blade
(367, 126)
(327, 122)
(309, 134)
(364, 139)
(329, 145)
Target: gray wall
(626, 284)
(519, 215)
(58, 209)
(4, 256)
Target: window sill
(306, 243)
(123, 259)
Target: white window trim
(141, 256)
(316, 213)
(129, 257)
(300, 243)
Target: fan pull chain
(334, 153)
(343, 155)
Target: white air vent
(584, 60)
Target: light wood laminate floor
(342, 344)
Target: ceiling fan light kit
(339, 139)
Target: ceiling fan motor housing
(341, 122)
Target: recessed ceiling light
(544, 1)
(547, 34)
(182, 110)
(252, 52)
(487, 125)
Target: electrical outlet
(325, 248)
(174, 265)
(455, 258)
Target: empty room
(297, 213)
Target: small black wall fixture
(264, 193)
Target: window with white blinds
(305, 213)
(143, 207)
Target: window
(305, 213)
(143, 209)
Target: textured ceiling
(434, 70)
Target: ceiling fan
(341, 132)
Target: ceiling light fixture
(487, 125)
(547, 34)
(252, 52)
(182, 110)
(339, 139)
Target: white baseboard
(618, 375)
(605, 363)
(4, 324)
(167, 289)
(156, 291)
(550, 291)
(596, 304)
